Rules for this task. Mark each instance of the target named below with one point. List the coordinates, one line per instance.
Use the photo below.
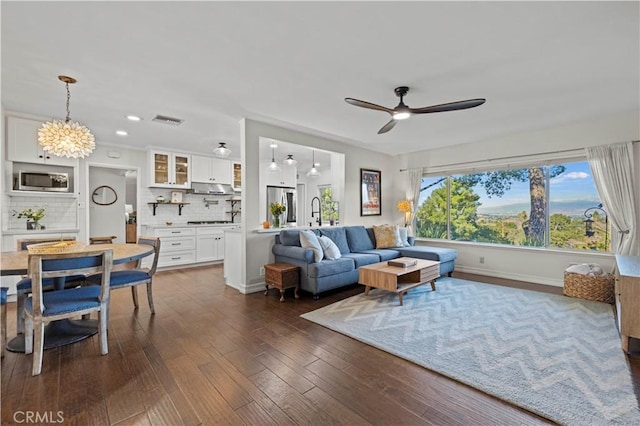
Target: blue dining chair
(23, 287)
(3, 318)
(137, 276)
(43, 307)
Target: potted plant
(277, 209)
(33, 217)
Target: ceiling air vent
(167, 120)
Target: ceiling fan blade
(451, 106)
(368, 105)
(387, 126)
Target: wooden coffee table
(398, 279)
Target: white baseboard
(510, 276)
(251, 288)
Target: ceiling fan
(402, 111)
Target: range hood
(212, 188)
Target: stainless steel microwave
(43, 181)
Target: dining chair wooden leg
(38, 347)
(28, 335)
(134, 295)
(103, 321)
(150, 297)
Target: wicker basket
(598, 288)
(55, 247)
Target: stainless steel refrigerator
(287, 197)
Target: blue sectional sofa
(357, 246)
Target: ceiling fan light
(290, 161)
(401, 115)
(222, 151)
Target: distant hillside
(569, 208)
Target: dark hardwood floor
(213, 356)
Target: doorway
(112, 219)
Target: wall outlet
(481, 259)
(262, 271)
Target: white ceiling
(538, 64)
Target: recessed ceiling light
(133, 118)
(121, 133)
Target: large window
(552, 205)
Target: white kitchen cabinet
(287, 176)
(177, 246)
(169, 170)
(23, 145)
(209, 244)
(210, 170)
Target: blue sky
(575, 183)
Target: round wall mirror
(104, 195)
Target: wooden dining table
(64, 332)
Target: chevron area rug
(556, 356)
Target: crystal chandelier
(66, 138)
(222, 151)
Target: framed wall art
(370, 197)
(176, 196)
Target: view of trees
(451, 211)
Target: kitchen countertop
(185, 225)
(41, 231)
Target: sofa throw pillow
(404, 237)
(338, 235)
(290, 237)
(387, 236)
(330, 249)
(309, 240)
(358, 239)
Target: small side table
(282, 276)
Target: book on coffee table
(402, 263)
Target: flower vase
(276, 221)
(33, 225)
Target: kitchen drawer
(175, 232)
(209, 231)
(183, 257)
(177, 244)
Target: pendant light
(66, 138)
(290, 160)
(313, 172)
(222, 151)
(273, 167)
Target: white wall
(257, 247)
(526, 264)
(107, 220)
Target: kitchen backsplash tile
(61, 213)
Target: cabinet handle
(176, 258)
(176, 232)
(176, 244)
(40, 156)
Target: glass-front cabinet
(170, 170)
(236, 176)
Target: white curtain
(413, 194)
(613, 173)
